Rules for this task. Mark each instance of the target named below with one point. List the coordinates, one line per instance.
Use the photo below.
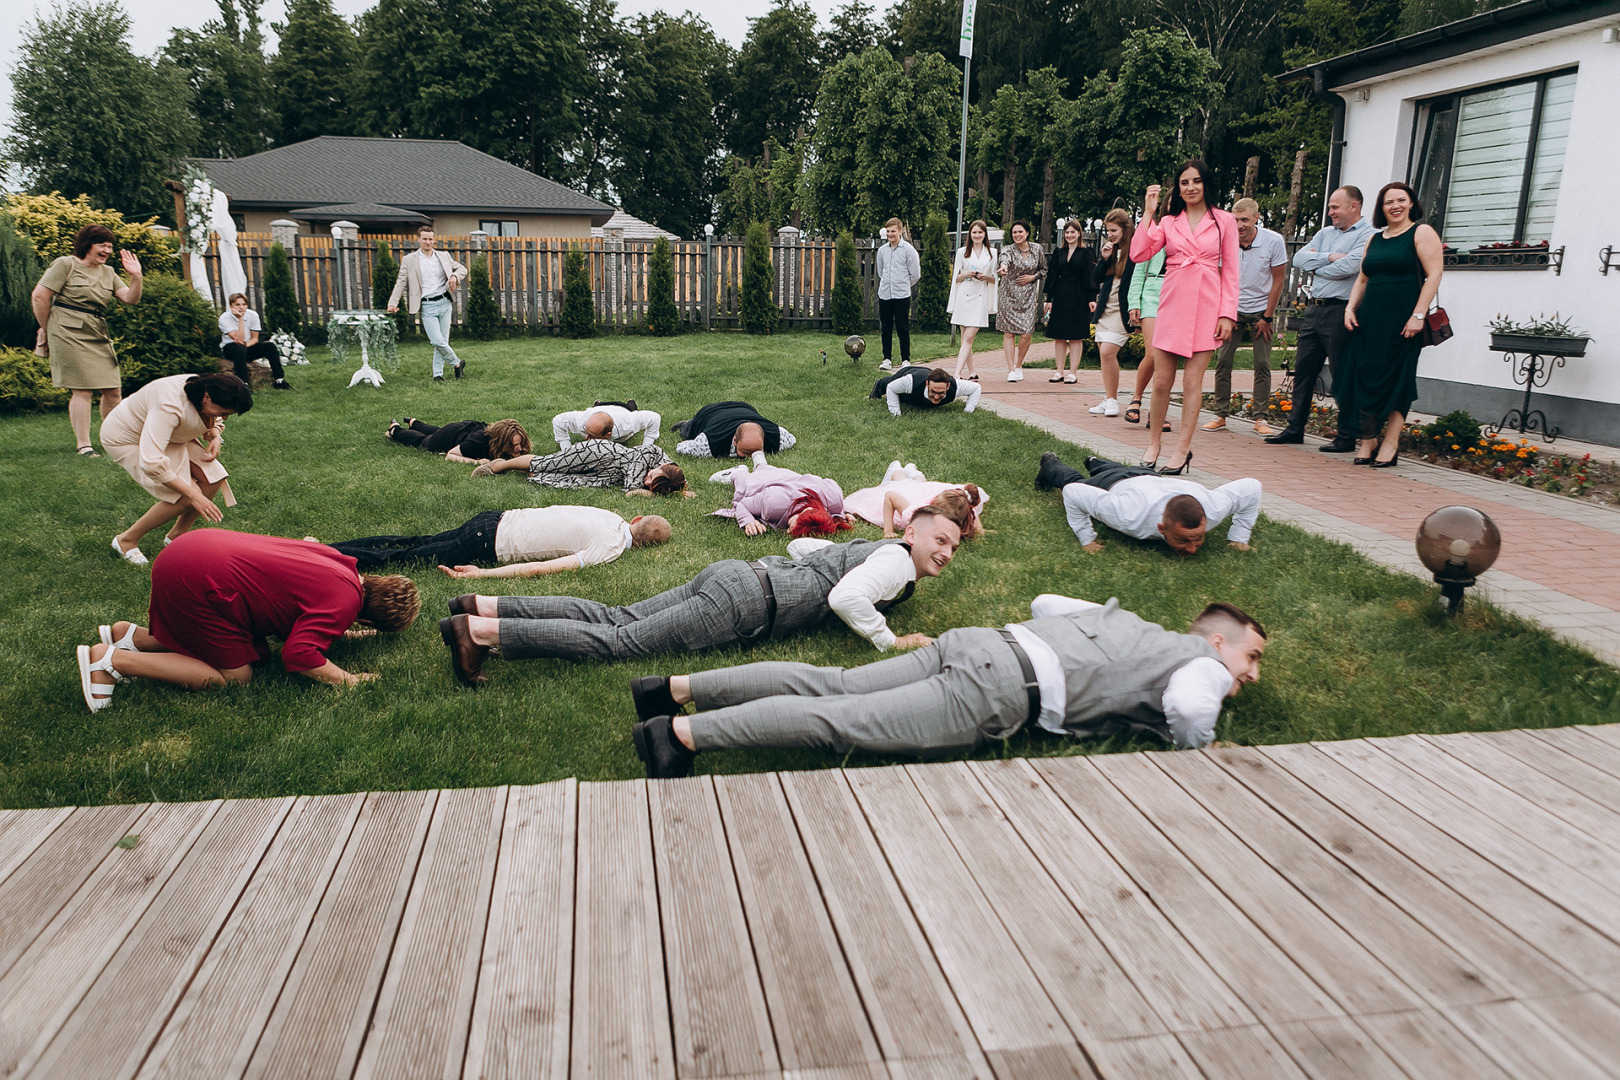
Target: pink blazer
(1200, 278)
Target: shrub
(19, 273)
(172, 330)
(1133, 351)
(483, 313)
(384, 272)
(25, 383)
(1454, 427)
(759, 313)
(663, 318)
(934, 289)
(50, 222)
(845, 307)
(281, 310)
(579, 311)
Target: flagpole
(965, 49)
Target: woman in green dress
(70, 304)
(1400, 275)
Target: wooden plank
(117, 1021)
(1399, 943)
(1426, 1044)
(1182, 988)
(1546, 775)
(1407, 883)
(424, 1008)
(1584, 744)
(42, 988)
(520, 1017)
(219, 1019)
(1589, 1022)
(717, 1005)
(1515, 903)
(320, 1021)
(1336, 1049)
(1525, 1044)
(814, 1006)
(34, 892)
(1094, 995)
(919, 1025)
(1250, 1053)
(1057, 1062)
(621, 1025)
(22, 831)
(1159, 1056)
(1261, 973)
(999, 993)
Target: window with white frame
(1487, 162)
(499, 228)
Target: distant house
(633, 228)
(1504, 123)
(395, 185)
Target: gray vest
(801, 585)
(1116, 666)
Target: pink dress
(867, 503)
(1200, 279)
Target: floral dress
(1016, 305)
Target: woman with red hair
(775, 498)
(891, 504)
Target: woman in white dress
(973, 293)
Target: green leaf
(129, 842)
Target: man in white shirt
(432, 277)
(239, 328)
(729, 603)
(1262, 269)
(923, 388)
(618, 421)
(898, 271)
(526, 542)
(1074, 668)
(1139, 503)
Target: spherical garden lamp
(1457, 544)
(854, 345)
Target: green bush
(1131, 353)
(759, 313)
(25, 383)
(1454, 427)
(19, 273)
(663, 318)
(483, 313)
(172, 330)
(934, 290)
(281, 311)
(50, 222)
(579, 310)
(384, 272)
(845, 308)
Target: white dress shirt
(1135, 507)
(625, 424)
(966, 392)
(1192, 699)
(538, 533)
(699, 447)
(883, 576)
(433, 280)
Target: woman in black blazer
(1068, 302)
(1112, 278)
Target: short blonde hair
(896, 222)
(1244, 206)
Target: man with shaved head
(618, 421)
(1138, 502)
(732, 429)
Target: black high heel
(1362, 461)
(1179, 469)
(1390, 464)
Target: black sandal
(1133, 412)
(88, 451)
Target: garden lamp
(1457, 544)
(854, 345)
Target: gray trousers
(723, 605)
(1260, 399)
(948, 696)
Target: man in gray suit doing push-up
(1075, 668)
(729, 603)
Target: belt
(1324, 302)
(76, 307)
(1031, 687)
(770, 596)
(437, 296)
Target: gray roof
(365, 211)
(425, 175)
(634, 228)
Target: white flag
(965, 48)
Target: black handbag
(1436, 326)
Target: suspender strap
(1031, 687)
(770, 596)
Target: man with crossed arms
(1138, 502)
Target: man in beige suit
(432, 277)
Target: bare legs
(964, 358)
(1390, 445)
(181, 512)
(79, 411)
(1014, 347)
(1061, 352)
(1192, 393)
(1144, 372)
(152, 661)
(1109, 355)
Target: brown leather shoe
(466, 655)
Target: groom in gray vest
(729, 603)
(1075, 668)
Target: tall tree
(666, 133)
(91, 117)
(1047, 121)
(773, 79)
(230, 81)
(589, 159)
(314, 72)
(924, 26)
(850, 29)
(1419, 15)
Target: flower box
(1540, 344)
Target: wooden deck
(1415, 907)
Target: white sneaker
(914, 473)
(1015, 376)
(896, 471)
(725, 476)
(885, 366)
(1099, 408)
(1111, 407)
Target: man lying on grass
(1075, 668)
(729, 603)
(216, 596)
(1134, 500)
(528, 542)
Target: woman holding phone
(973, 293)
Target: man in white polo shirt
(526, 542)
(1134, 500)
(1262, 269)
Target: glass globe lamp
(854, 345)
(1457, 544)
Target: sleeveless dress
(1381, 365)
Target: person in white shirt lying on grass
(526, 542)
(1074, 668)
(731, 602)
(619, 421)
(1133, 500)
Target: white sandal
(126, 642)
(97, 695)
(132, 556)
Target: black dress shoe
(466, 655)
(464, 604)
(1337, 447)
(1286, 436)
(652, 697)
(659, 750)
(282, 384)
(460, 365)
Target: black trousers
(1104, 473)
(436, 440)
(1320, 342)
(239, 355)
(895, 315)
(473, 542)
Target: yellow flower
(1454, 446)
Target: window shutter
(1556, 108)
(1493, 137)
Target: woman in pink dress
(1198, 302)
(890, 505)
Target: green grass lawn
(1355, 650)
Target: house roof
(634, 228)
(424, 175)
(358, 212)
(1502, 26)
